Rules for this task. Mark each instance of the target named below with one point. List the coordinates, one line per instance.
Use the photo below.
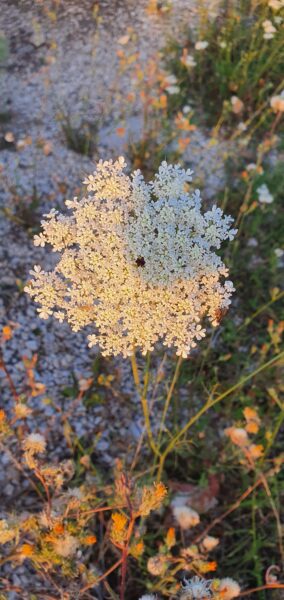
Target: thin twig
(10, 380)
(101, 578)
(269, 586)
(229, 511)
(209, 404)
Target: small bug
(220, 313)
(140, 261)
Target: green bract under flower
(138, 261)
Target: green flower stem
(143, 399)
(169, 397)
(209, 405)
(260, 310)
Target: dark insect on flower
(140, 261)
(220, 313)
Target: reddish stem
(10, 380)
(269, 586)
(124, 558)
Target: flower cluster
(277, 103)
(264, 195)
(138, 261)
(33, 445)
(269, 29)
(203, 589)
(198, 588)
(276, 4)
(239, 436)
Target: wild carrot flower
(138, 261)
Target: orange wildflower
(118, 531)
(171, 537)
(183, 143)
(212, 566)
(6, 332)
(58, 528)
(205, 567)
(252, 419)
(137, 549)
(120, 131)
(252, 427)
(89, 540)
(119, 521)
(160, 491)
(130, 97)
(183, 123)
(250, 413)
(255, 451)
(26, 550)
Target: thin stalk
(259, 311)
(143, 399)
(135, 371)
(169, 397)
(257, 567)
(273, 435)
(10, 380)
(232, 508)
(209, 404)
(151, 405)
(124, 558)
(269, 586)
(101, 578)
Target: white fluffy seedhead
(196, 589)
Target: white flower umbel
(138, 261)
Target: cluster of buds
(240, 436)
